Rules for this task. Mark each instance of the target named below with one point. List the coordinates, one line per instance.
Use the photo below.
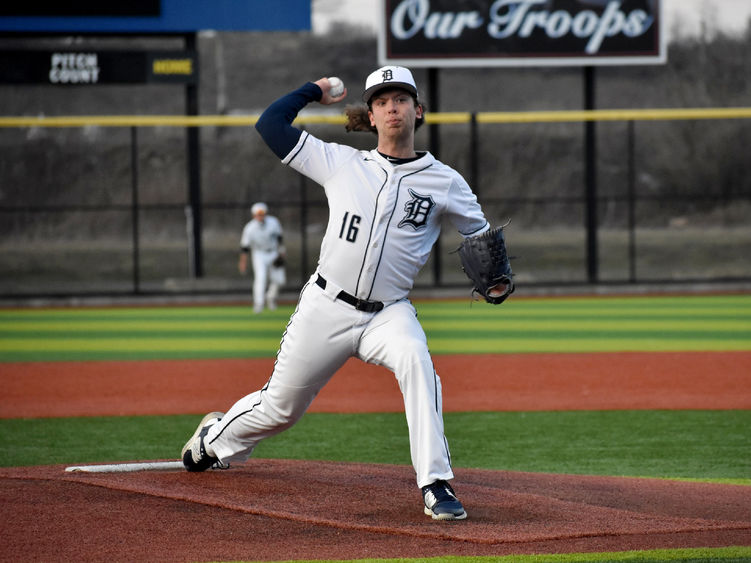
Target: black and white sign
(89, 68)
(521, 32)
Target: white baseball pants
(321, 335)
(266, 282)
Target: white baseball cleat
(194, 453)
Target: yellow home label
(173, 66)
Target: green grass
(705, 445)
(685, 444)
(719, 322)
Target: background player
(385, 210)
(262, 239)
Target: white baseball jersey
(263, 236)
(383, 218)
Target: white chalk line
(127, 467)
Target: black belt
(359, 304)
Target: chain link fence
(92, 209)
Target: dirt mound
(281, 509)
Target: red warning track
(504, 382)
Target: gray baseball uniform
(262, 238)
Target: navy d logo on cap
(389, 77)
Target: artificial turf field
(696, 444)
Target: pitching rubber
(127, 467)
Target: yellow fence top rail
(615, 115)
(438, 118)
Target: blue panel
(179, 16)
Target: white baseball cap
(259, 207)
(389, 77)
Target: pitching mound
(277, 509)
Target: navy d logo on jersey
(418, 209)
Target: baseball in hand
(337, 86)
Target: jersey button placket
(381, 222)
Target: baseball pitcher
(385, 211)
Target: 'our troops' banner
(521, 32)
